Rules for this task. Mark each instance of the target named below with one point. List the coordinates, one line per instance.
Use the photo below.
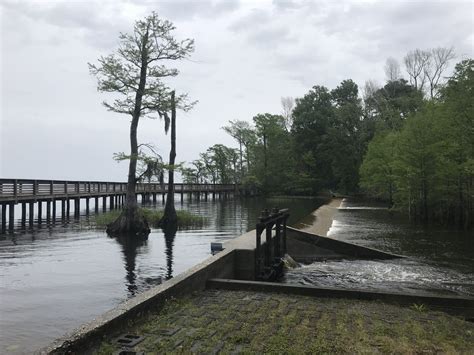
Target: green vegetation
(410, 143)
(426, 166)
(256, 323)
(185, 218)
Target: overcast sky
(248, 55)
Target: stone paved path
(231, 322)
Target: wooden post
(4, 218)
(96, 204)
(40, 211)
(154, 198)
(68, 208)
(87, 203)
(51, 189)
(23, 213)
(63, 208)
(31, 213)
(112, 202)
(104, 203)
(54, 210)
(77, 206)
(11, 216)
(48, 210)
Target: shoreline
(322, 218)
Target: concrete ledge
(318, 242)
(194, 279)
(457, 305)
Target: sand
(324, 216)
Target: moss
(185, 218)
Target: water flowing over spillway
(440, 261)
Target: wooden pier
(52, 193)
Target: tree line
(409, 142)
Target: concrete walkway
(229, 322)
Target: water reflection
(170, 234)
(129, 245)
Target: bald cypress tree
(135, 75)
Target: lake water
(56, 277)
(439, 260)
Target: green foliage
(392, 104)
(427, 164)
(151, 43)
(311, 119)
(377, 169)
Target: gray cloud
(189, 9)
(248, 55)
(286, 5)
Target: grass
(185, 218)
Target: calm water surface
(55, 278)
(439, 260)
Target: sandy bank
(322, 218)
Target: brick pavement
(231, 322)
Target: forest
(409, 142)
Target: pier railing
(22, 189)
(268, 255)
(53, 192)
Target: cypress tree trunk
(169, 217)
(131, 221)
